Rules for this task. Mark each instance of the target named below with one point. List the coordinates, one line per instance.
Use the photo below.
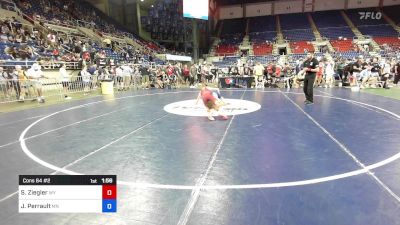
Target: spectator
(65, 81)
(397, 73)
(35, 73)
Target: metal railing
(45, 65)
(16, 90)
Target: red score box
(109, 191)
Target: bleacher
(44, 10)
(79, 13)
(332, 25)
(377, 27)
(301, 46)
(295, 21)
(258, 37)
(233, 26)
(231, 36)
(227, 61)
(326, 19)
(262, 29)
(262, 48)
(393, 42)
(393, 13)
(262, 24)
(3, 55)
(342, 45)
(163, 23)
(296, 27)
(224, 50)
(348, 55)
(302, 56)
(382, 30)
(298, 35)
(355, 17)
(336, 32)
(264, 59)
(231, 39)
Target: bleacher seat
(382, 30)
(348, 55)
(223, 50)
(336, 32)
(326, 19)
(393, 13)
(233, 26)
(295, 21)
(227, 61)
(262, 24)
(342, 45)
(393, 42)
(258, 37)
(299, 35)
(264, 59)
(262, 49)
(262, 29)
(301, 46)
(355, 17)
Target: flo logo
(370, 15)
(232, 107)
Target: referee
(310, 67)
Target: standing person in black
(310, 67)
(397, 73)
(145, 73)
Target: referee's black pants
(309, 86)
(396, 78)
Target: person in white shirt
(329, 73)
(127, 73)
(120, 78)
(385, 73)
(86, 79)
(65, 81)
(35, 73)
(4, 81)
(259, 74)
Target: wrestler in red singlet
(210, 102)
(208, 98)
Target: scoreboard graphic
(67, 193)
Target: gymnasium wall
(285, 7)
(391, 2)
(231, 12)
(324, 5)
(355, 4)
(296, 6)
(308, 5)
(258, 9)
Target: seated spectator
(25, 52)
